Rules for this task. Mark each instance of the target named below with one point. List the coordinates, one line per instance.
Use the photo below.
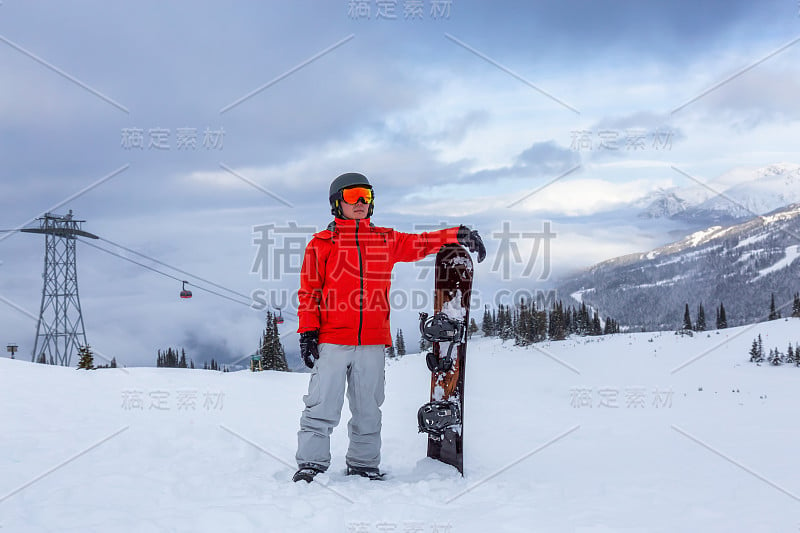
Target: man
(344, 323)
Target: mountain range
(732, 197)
(740, 265)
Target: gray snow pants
(361, 368)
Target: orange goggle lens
(353, 195)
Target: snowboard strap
(435, 417)
(441, 328)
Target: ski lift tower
(60, 331)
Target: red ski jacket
(346, 277)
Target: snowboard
(447, 330)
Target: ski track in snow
(792, 253)
(630, 444)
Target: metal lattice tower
(60, 331)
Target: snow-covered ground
(633, 432)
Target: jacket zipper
(361, 292)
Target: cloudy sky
(179, 129)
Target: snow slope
(792, 253)
(649, 432)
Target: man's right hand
(309, 347)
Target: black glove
(472, 241)
(309, 347)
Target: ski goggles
(354, 194)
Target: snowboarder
(344, 323)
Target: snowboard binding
(436, 364)
(435, 417)
(441, 328)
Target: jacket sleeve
(312, 276)
(415, 246)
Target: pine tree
(487, 327)
(611, 327)
(790, 356)
(504, 323)
(534, 327)
(86, 358)
(568, 323)
(776, 358)
(273, 356)
(796, 305)
(583, 321)
(754, 357)
(522, 326)
(773, 313)
(113, 362)
(389, 352)
(722, 320)
(400, 343)
(424, 345)
(701, 319)
(280, 353)
(556, 327)
(597, 328)
(687, 319)
(573, 321)
(760, 348)
(170, 359)
(473, 328)
(498, 319)
(539, 326)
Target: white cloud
(587, 196)
(571, 197)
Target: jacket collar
(344, 225)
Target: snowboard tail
(442, 418)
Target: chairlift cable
(175, 268)
(165, 274)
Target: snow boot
(370, 473)
(306, 473)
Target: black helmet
(350, 179)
